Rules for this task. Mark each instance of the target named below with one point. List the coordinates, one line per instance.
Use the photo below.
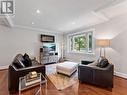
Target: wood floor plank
(120, 88)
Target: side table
(41, 80)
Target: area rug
(60, 81)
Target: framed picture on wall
(47, 38)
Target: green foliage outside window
(80, 43)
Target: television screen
(49, 47)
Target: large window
(81, 42)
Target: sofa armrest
(86, 62)
(110, 67)
(85, 73)
(31, 67)
(24, 71)
(103, 76)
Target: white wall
(17, 40)
(116, 30)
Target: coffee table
(23, 86)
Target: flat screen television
(49, 46)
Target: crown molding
(36, 29)
(100, 15)
(112, 3)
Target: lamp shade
(103, 42)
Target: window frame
(71, 44)
(79, 35)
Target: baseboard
(3, 67)
(119, 74)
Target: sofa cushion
(27, 61)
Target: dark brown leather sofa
(14, 72)
(96, 75)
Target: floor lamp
(103, 43)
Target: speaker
(56, 53)
(41, 49)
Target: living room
(80, 32)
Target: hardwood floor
(120, 88)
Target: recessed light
(38, 11)
(73, 22)
(60, 28)
(32, 22)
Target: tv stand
(48, 57)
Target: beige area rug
(60, 81)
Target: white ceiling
(62, 16)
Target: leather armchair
(96, 75)
(15, 73)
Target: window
(81, 42)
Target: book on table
(30, 81)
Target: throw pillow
(104, 63)
(99, 60)
(18, 64)
(27, 61)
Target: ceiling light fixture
(73, 22)
(38, 11)
(32, 22)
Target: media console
(48, 52)
(48, 57)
